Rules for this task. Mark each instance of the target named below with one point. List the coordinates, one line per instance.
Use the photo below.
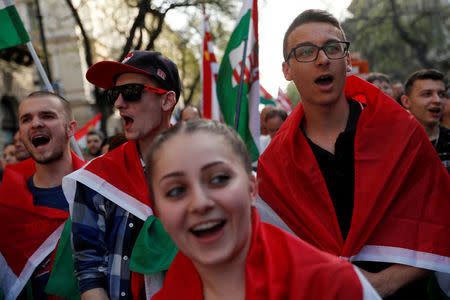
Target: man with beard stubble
(33, 209)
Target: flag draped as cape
(401, 198)
(118, 176)
(278, 266)
(29, 233)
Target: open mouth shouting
(435, 112)
(208, 231)
(324, 82)
(40, 139)
(127, 122)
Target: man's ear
(253, 188)
(71, 128)
(349, 62)
(286, 70)
(169, 101)
(405, 101)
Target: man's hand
(95, 294)
(390, 280)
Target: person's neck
(50, 175)
(145, 142)
(323, 123)
(432, 131)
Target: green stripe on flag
(227, 90)
(12, 31)
(267, 101)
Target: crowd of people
(349, 199)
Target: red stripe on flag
(209, 74)
(284, 101)
(83, 131)
(265, 94)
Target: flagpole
(49, 87)
(241, 86)
(39, 67)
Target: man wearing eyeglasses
(351, 172)
(110, 199)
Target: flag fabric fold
(401, 188)
(278, 266)
(210, 104)
(31, 239)
(229, 78)
(265, 97)
(12, 31)
(81, 134)
(284, 101)
(118, 175)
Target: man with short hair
(350, 171)
(94, 142)
(397, 91)
(8, 154)
(21, 152)
(425, 98)
(382, 81)
(110, 198)
(273, 121)
(190, 113)
(33, 208)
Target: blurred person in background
(190, 113)
(21, 152)
(397, 91)
(273, 121)
(382, 81)
(445, 119)
(9, 155)
(94, 140)
(425, 98)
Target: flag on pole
(81, 134)
(284, 101)
(230, 73)
(210, 104)
(12, 32)
(265, 97)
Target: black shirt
(338, 169)
(442, 146)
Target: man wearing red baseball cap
(109, 199)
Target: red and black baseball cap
(104, 74)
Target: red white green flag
(81, 134)
(266, 98)
(284, 101)
(230, 75)
(12, 31)
(210, 104)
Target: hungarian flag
(210, 104)
(284, 101)
(230, 76)
(12, 31)
(81, 134)
(28, 233)
(266, 98)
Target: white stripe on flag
(5, 3)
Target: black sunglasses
(131, 92)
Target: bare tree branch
(418, 46)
